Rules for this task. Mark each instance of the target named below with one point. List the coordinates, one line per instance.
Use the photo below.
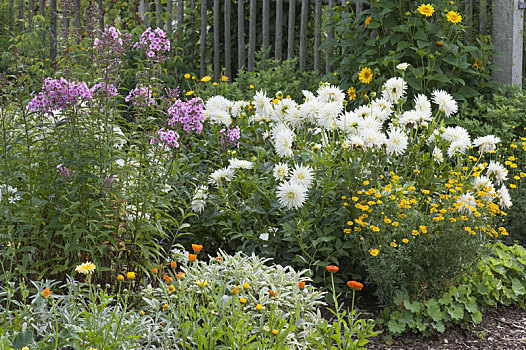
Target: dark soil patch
(502, 329)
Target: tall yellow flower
(366, 75)
(426, 10)
(206, 79)
(453, 17)
(366, 24)
(352, 93)
(374, 252)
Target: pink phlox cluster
(104, 90)
(141, 95)
(189, 114)
(64, 172)
(230, 135)
(59, 94)
(109, 37)
(166, 137)
(155, 43)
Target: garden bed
(504, 328)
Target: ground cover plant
(239, 302)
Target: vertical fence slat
(330, 36)
(192, 36)
(266, 28)
(78, 23)
(279, 30)
(317, 35)
(483, 17)
(30, 10)
(240, 34)
(101, 19)
(42, 11)
(169, 9)
(142, 10)
(180, 12)
(159, 13)
(216, 40)
(53, 30)
(468, 12)
(290, 34)
(252, 36)
(303, 33)
(21, 25)
(359, 7)
(12, 15)
(203, 38)
(228, 39)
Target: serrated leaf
(413, 307)
(396, 327)
(518, 287)
(433, 310)
(456, 312)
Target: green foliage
(439, 54)
(182, 313)
(503, 114)
(496, 280)
(268, 75)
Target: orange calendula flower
(130, 275)
(120, 277)
(197, 248)
(332, 268)
(453, 17)
(236, 290)
(355, 285)
(167, 278)
(165, 306)
(187, 76)
(366, 75)
(439, 43)
(367, 21)
(155, 270)
(272, 293)
(173, 264)
(46, 292)
(192, 257)
(243, 300)
(180, 275)
(301, 285)
(224, 78)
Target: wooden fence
(256, 31)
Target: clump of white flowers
(382, 126)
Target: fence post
(508, 39)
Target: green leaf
(413, 307)
(476, 317)
(518, 287)
(433, 310)
(22, 339)
(395, 326)
(439, 326)
(456, 311)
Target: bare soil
(501, 329)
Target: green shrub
(498, 279)
(391, 32)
